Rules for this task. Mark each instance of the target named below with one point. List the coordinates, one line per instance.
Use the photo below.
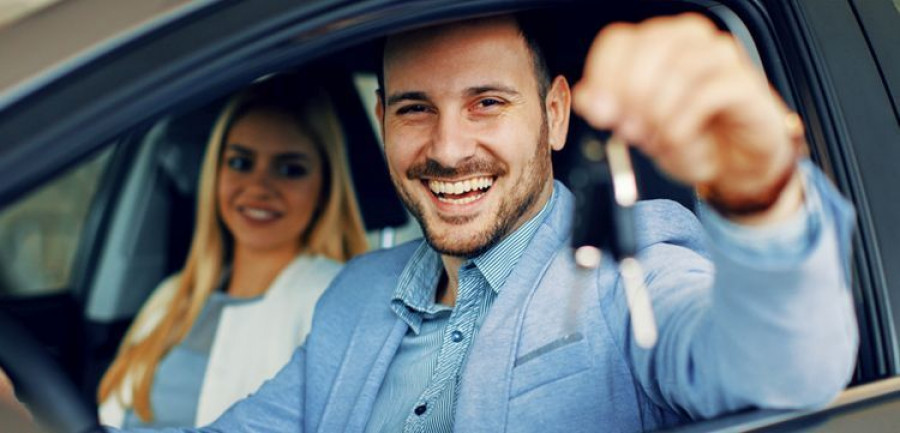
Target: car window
(39, 233)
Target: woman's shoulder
(313, 273)
(313, 264)
(154, 307)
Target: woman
(276, 213)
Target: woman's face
(270, 179)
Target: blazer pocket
(551, 362)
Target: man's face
(465, 132)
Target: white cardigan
(252, 342)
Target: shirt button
(420, 409)
(456, 336)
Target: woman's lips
(258, 214)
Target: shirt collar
(498, 262)
(417, 287)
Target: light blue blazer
(555, 352)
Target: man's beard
(512, 209)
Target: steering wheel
(41, 383)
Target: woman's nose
(260, 183)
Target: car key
(606, 191)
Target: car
(105, 106)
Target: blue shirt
(420, 387)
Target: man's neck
(447, 287)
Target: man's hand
(688, 96)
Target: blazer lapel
(486, 381)
(375, 341)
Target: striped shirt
(419, 391)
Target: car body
(104, 109)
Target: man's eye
(239, 163)
(490, 102)
(412, 109)
(292, 170)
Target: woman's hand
(8, 397)
(688, 96)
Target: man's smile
(460, 192)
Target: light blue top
(555, 352)
(179, 376)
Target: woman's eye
(292, 170)
(239, 163)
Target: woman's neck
(253, 271)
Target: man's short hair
(533, 32)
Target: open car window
(166, 97)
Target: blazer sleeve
(276, 407)
(738, 333)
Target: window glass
(39, 233)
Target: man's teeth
(258, 214)
(480, 183)
(464, 200)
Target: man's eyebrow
(406, 96)
(471, 91)
(489, 88)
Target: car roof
(58, 38)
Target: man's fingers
(698, 163)
(691, 68)
(594, 97)
(629, 64)
(683, 126)
(675, 87)
(659, 47)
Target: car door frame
(255, 36)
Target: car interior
(139, 220)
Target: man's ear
(558, 105)
(379, 109)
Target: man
(490, 326)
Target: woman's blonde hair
(335, 232)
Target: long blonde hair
(335, 232)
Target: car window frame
(284, 43)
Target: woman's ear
(558, 105)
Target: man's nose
(451, 141)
